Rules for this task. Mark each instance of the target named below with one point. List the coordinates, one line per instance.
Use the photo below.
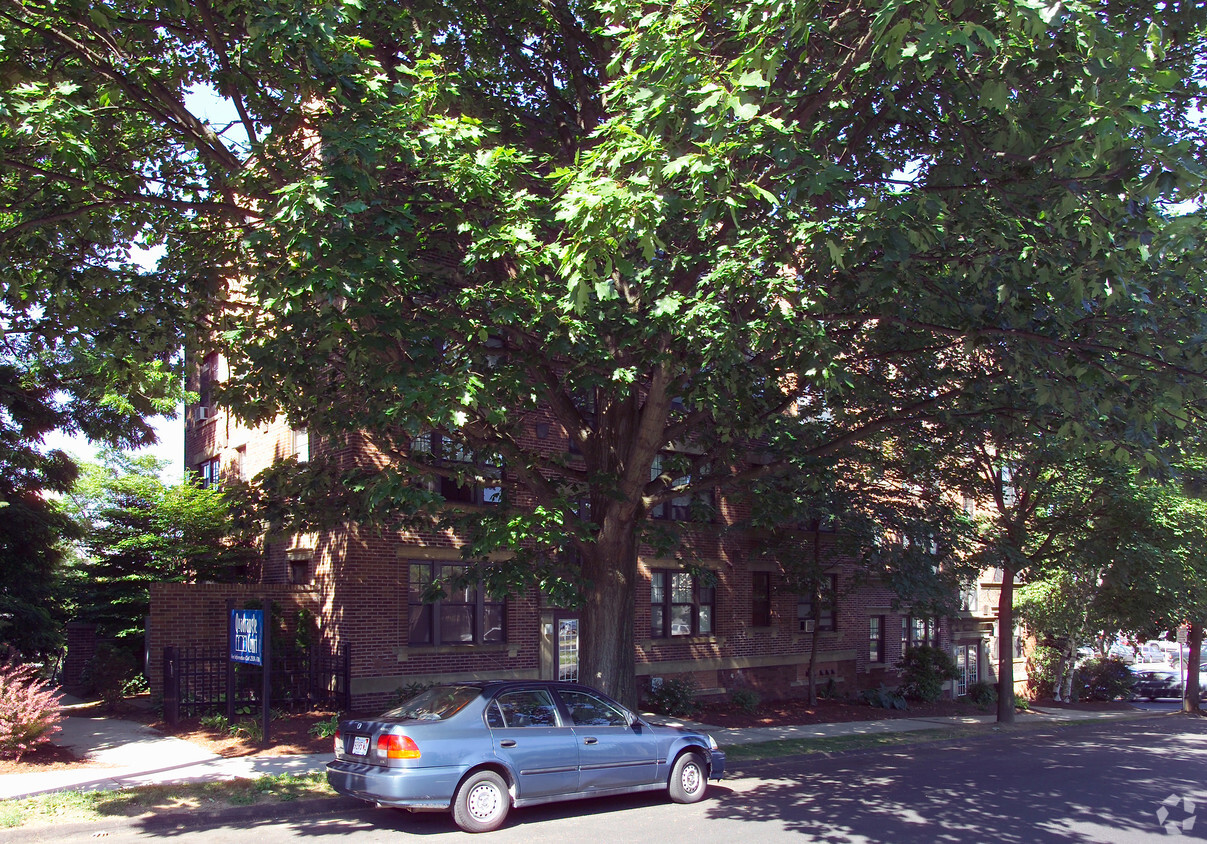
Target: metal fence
(195, 682)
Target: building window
(207, 377)
(209, 473)
(967, 665)
(462, 615)
(826, 618)
(679, 605)
(876, 638)
(241, 462)
(694, 507)
(299, 572)
(918, 630)
(301, 444)
(760, 598)
(442, 451)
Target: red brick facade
(357, 585)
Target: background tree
(657, 225)
(1150, 600)
(137, 530)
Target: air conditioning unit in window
(809, 625)
(204, 412)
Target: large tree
(658, 224)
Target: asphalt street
(1122, 782)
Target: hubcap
(691, 778)
(484, 801)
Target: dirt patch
(46, 757)
(289, 734)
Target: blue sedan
(481, 748)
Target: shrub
(1104, 679)
(215, 722)
(884, 698)
(1042, 664)
(983, 694)
(923, 671)
(29, 710)
(325, 728)
(249, 730)
(109, 672)
(747, 700)
(676, 698)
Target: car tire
(689, 778)
(481, 802)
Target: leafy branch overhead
(658, 231)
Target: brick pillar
(81, 646)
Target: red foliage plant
(29, 710)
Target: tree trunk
(816, 618)
(607, 659)
(1190, 693)
(1005, 649)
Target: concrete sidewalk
(126, 754)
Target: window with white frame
(967, 667)
(209, 473)
(301, 444)
(680, 605)
(918, 630)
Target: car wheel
(689, 779)
(481, 803)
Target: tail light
(397, 747)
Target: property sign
(247, 636)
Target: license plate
(360, 745)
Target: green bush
(676, 698)
(983, 694)
(29, 710)
(747, 700)
(1104, 679)
(215, 722)
(923, 671)
(325, 728)
(110, 671)
(884, 698)
(1042, 665)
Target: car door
(612, 752)
(530, 738)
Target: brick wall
(187, 615)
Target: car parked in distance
(1154, 682)
(479, 749)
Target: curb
(181, 821)
(974, 732)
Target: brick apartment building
(746, 631)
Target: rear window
(435, 704)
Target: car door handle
(590, 741)
(507, 743)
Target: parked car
(481, 748)
(1153, 683)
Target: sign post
(249, 644)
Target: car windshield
(435, 704)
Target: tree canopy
(658, 226)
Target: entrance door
(567, 647)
